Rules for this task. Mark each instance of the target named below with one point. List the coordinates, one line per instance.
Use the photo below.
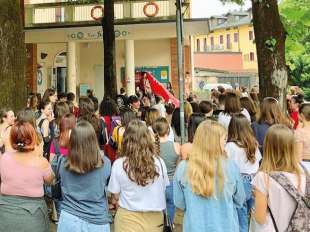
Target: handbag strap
(273, 220)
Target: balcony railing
(45, 13)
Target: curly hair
(139, 151)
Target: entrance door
(61, 76)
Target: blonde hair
(280, 151)
(205, 159)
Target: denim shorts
(69, 222)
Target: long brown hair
(138, 149)
(151, 115)
(240, 132)
(67, 123)
(84, 154)
(249, 105)
(232, 103)
(270, 113)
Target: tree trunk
(270, 45)
(110, 82)
(12, 56)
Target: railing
(48, 12)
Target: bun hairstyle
(23, 137)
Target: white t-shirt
(224, 118)
(282, 205)
(134, 197)
(238, 154)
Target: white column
(72, 67)
(130, 66)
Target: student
(270, 114)
(7, 119)
(242, 147)
(295, 102)
(22, 174)
(208, 186)
(232, 106)
(248, 104)
(84, 174)
(45, 125)
(170, 153)
(268, 192)
(302, 135)
(138, 182)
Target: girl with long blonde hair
(280, 158)
(208, 185)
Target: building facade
(229, 47)
(65, 48)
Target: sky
(207, 8)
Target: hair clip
(21, 145)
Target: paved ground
(178, 223)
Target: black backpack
(102, 137)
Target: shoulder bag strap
(273, 220)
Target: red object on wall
(156, 87)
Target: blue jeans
(69, 222)
(169, 202)
(244, 211)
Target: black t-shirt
(121, 100)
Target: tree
(110, 82)
(296, 18)
(270, 38)
(107, 22)
(12, 55)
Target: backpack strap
(41, 122)
(281, 179)
(307, 192)
(273, 220)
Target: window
(198, 45)
(228, 44)
(252, 56)
(212, 42)
(221, 39)
(205, 48)
(236, 37)
(250, 35)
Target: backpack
(300, 220)
(56, 162)
(103, 139)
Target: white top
(238, 154)
(161, 108)
(282, 205)
(224, 118)
(134, 197)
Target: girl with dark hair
(22, 174)
(46, 126)
(138, 182)
(295, 103)
(270, 114)
(248, 104)
(84, 174)
(7, 119)
(50, 95)
(170, 153)
(232, 106)
(109, 119)
(242, 147)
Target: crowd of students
(244, 160)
